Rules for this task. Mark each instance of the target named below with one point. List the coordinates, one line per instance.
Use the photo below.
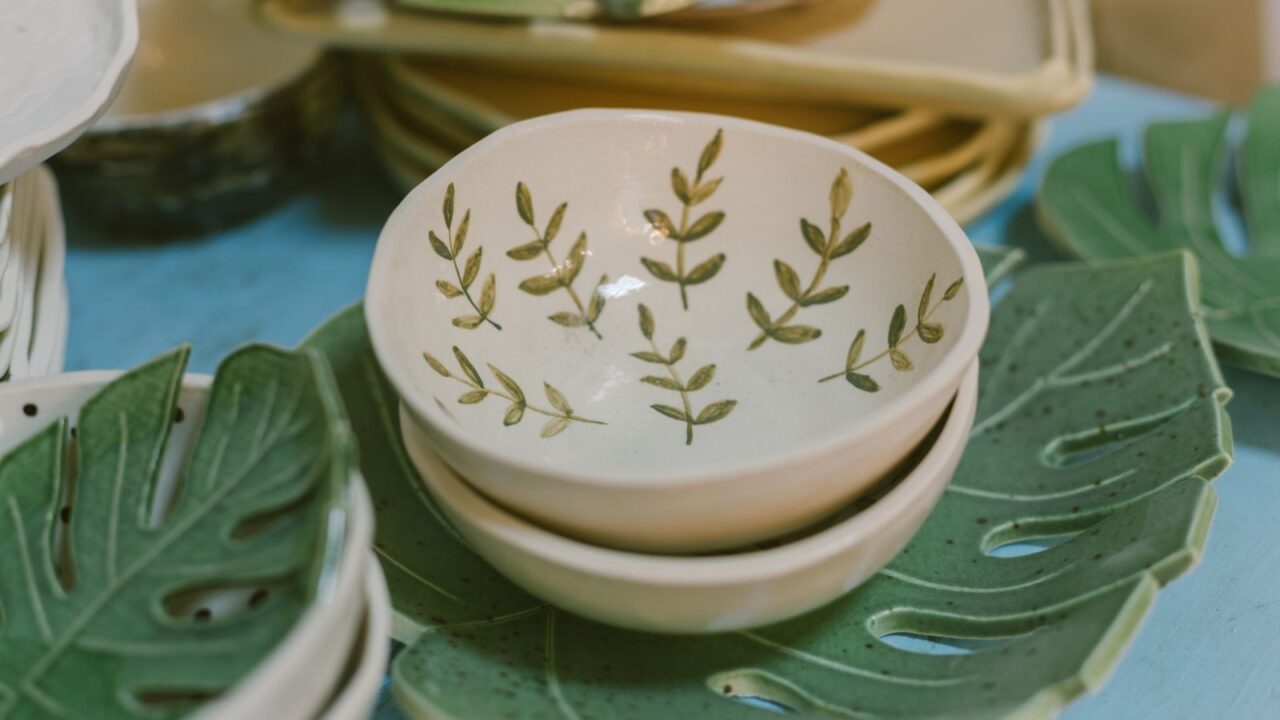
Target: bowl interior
(193, 52)
(626, 353)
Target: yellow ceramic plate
(1021, 57)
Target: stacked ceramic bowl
(678, 372)
(203, 136)
(952, 95)
(33, 293)
(331, 663)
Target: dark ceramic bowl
(216, 123)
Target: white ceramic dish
(701, 594)
(997, 57)
(61, 63)
(295, 680)
(244, 109)
(356, 697)
(49, 294)
(755, 444)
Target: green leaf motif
(801, 296)
(689, 195)
(788, 280)
(897, 325)
(703, 226)
(451, 249)
(511, 392)
(1088, 208)
(1057, 620)
(662, 223)
(897, 335)
(439, 246)
(660, 270)
(563, 274)
(541, 284)
(705, 270)
(528, 251)
(673, 382)
(524, 203)
(108, 641)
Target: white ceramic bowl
(581, 423)
(296, 679)
(218, 120)
(355, 699)
(710, 593)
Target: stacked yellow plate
(953, 95)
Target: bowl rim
(33, 149)
(689, 572)
(942, 378)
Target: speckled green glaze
(1086, 205)
(208, 172)
(1077, 391)
(103, 645)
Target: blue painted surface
(1211, 647)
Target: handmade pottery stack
(33, 292)
(678, 372)
(201, 137)
(63, 64)
(952, 95)
(329, 663)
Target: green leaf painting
(674, 382)
(451, 248)
(1078, 391)
(1087, 206)
(691, 192)
(927, 330)
(828, 245)
(560, 413)
(563, 274)
(92, 622)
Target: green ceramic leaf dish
(1076, 393)
(1087, 207)
(103, 550)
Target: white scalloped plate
(61, 64)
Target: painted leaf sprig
(1100, 418)
(1087, 207)
(928, 332)
(690, 193)
(563, 274)
(827, 246)
(450, 248)
(560, 412)
(673, 381)
(94, 623)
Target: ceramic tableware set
(950, 95)
(200, 137)
(647, 365)
(317, 646)
(33, 293)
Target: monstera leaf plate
(1087, 206)
(1019, 594)
(174, 543)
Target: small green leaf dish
(191, 543)
(1088, 208)
(672, 332)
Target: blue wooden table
(1210, 649)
